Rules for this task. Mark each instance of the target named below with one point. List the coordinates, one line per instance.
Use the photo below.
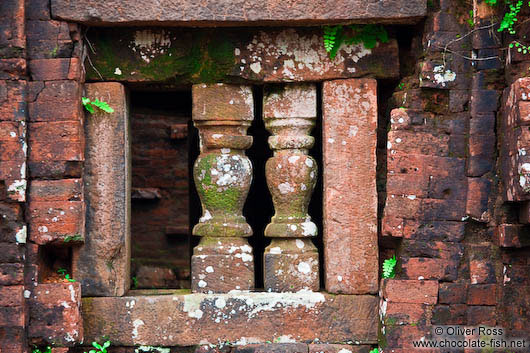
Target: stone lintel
(179, 319)
(243, 55)
(236, 12)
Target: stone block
(39, 10)
(410, 291)
(481, 271)
(272, 348)
(102, 264)
(11, 69)
(511, 236)
(429, 268)
(56, 222)
(481, 315)
(195, 318)
(250, 13)
(55, 313)
(11, 296)
(55, 169)
(407, 314)
(350, 196)
(454, 314)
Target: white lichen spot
(136, 324)
(202, 284)
(398, 140)
(309, 228)
(293, 159)
(225, 150)
(151, 349)
(388, 145)
(256, 67)
(331, 140)
(237, 52)
(339, 278)
(209, 269)
(13, 134)
(441, 77)
(216, 136)
(293, 227)
(522, 152)
(309, 162)
(207, 216)
(244, 257)
(27, 294)
(300, 244)
(285, 339)
(303, 187)
(117, 71)
(275, 250)
(21, 235)
(285, 188)
(344, 350)
(42, 229)
(220, 303)
(18, 187)
(411, 197)
(304, 267)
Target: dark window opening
(165, 204)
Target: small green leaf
(103, 106)
(106, 344)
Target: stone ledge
(179, 319)
(236, 12)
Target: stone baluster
(223, 260)
(291, 260)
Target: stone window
(333, 284)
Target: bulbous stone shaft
(291, 260)
(223, 260)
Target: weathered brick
(410, 291)
(511, 236)
(38, 10)
(11, 253)
(477, 198)
(13, 100)
(429, 268)
(12, 316)
(452, 293)
(13, 340)
(481, 315)
(353, 231)
(434, 230)
(481, 271)
(407, 313)
(55, 69)
(55, 314)
(12, 296)
(483, 101)
(55, 169)
(336, 348)
(12, 68)
(482, 294)
(454, 314)
(56, 190)
(11, 274)
(56, 221)
(58, 101)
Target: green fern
(47, 350)
(375, 350)
(389, 267)
(100, 348)
(90, 104)
(368, 35)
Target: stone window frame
(351, 292)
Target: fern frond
(389, 266)
(103, 106)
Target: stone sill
(178, 318)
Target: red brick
(422, 143)
(13, 340)
(272, 348)
(39, 9)
(47, 29)
(510, 236)
(11, 69)
(482, 294)
(11, 274)
(55, 313)
(410, 291)
(481, 271)
(392, 226)
(452, 293)
(58, 150)
(13, 100)
(56, 190)
(402, 206)
(12, 316)
(54, 221)
(11, 253)
(58, 101)
(434, 230)
(454, 314)
(407, 314)
(55, 169)
(55, 69)
(402, 337)
(429, 268)
(350, 223)
(12, 296)
(415, 184)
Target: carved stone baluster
(223, 260)
(291, 260)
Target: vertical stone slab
(350, 195)
(102, 264)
